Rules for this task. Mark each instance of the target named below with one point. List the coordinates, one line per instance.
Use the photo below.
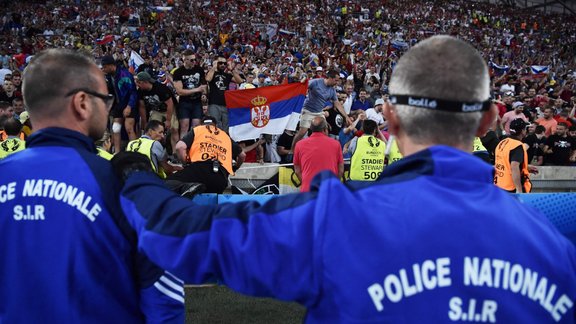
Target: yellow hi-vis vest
(503, 169)
(10, 146)
(478, 146)
(211, 143)
(394, 154)
(103, 154)
(143, 145)
(367, 162)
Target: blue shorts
(190, 110)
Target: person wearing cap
(261, 82)
(375, 113)
(431, 241)
(124, 111)
(320, 72)
(64, 235)
(26, 124)
(517, 112)
(156, 102)
(512, 168)
(208, 154)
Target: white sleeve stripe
(173, 285)
(169, 293)
(174, 278)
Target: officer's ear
(392, 118)
(488, 119)
(82, 105)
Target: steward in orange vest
(511, 166)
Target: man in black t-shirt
(219, 81)
(535, 141)
(560, 149)
(190, 83)
(283, 146)
(155, 102)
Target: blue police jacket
(67, 253)
(432, 241)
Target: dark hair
(369, 126)
(562, 124)
(332, 74)
(539, 129)
(153, 125)
(4, 105)
(572, 128)
(12, 126)
(188, 52)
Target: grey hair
(51, 75)
(441, 67)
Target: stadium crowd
(531, 55)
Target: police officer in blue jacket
(67, 252)
(431, 241)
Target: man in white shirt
(375, 114)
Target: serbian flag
(267, 110)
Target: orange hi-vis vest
(211, 143)
(503, 169)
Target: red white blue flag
(267, 110)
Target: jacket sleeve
(269, 250)
(163, 302)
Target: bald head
(440, 67)
(319, 124)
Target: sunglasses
(107, 98)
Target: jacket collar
(55, 136)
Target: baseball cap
(262, 75)
(144, 76)
(517, 104)
(517, 125)
(107, 60)
(24, 117)
(379, 101)
(319, 69)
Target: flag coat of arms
(267, 110)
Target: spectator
(517, 112)
(320, 91)
(283, 146)
(375, 114)
(535, 141)
(362, 103)
(156, 102)
(219, 81)
(317, 153)
(190, 84)
(548, 121)
(124, 111)
(67, 200)
(560, 149)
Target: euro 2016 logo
(259, 112)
